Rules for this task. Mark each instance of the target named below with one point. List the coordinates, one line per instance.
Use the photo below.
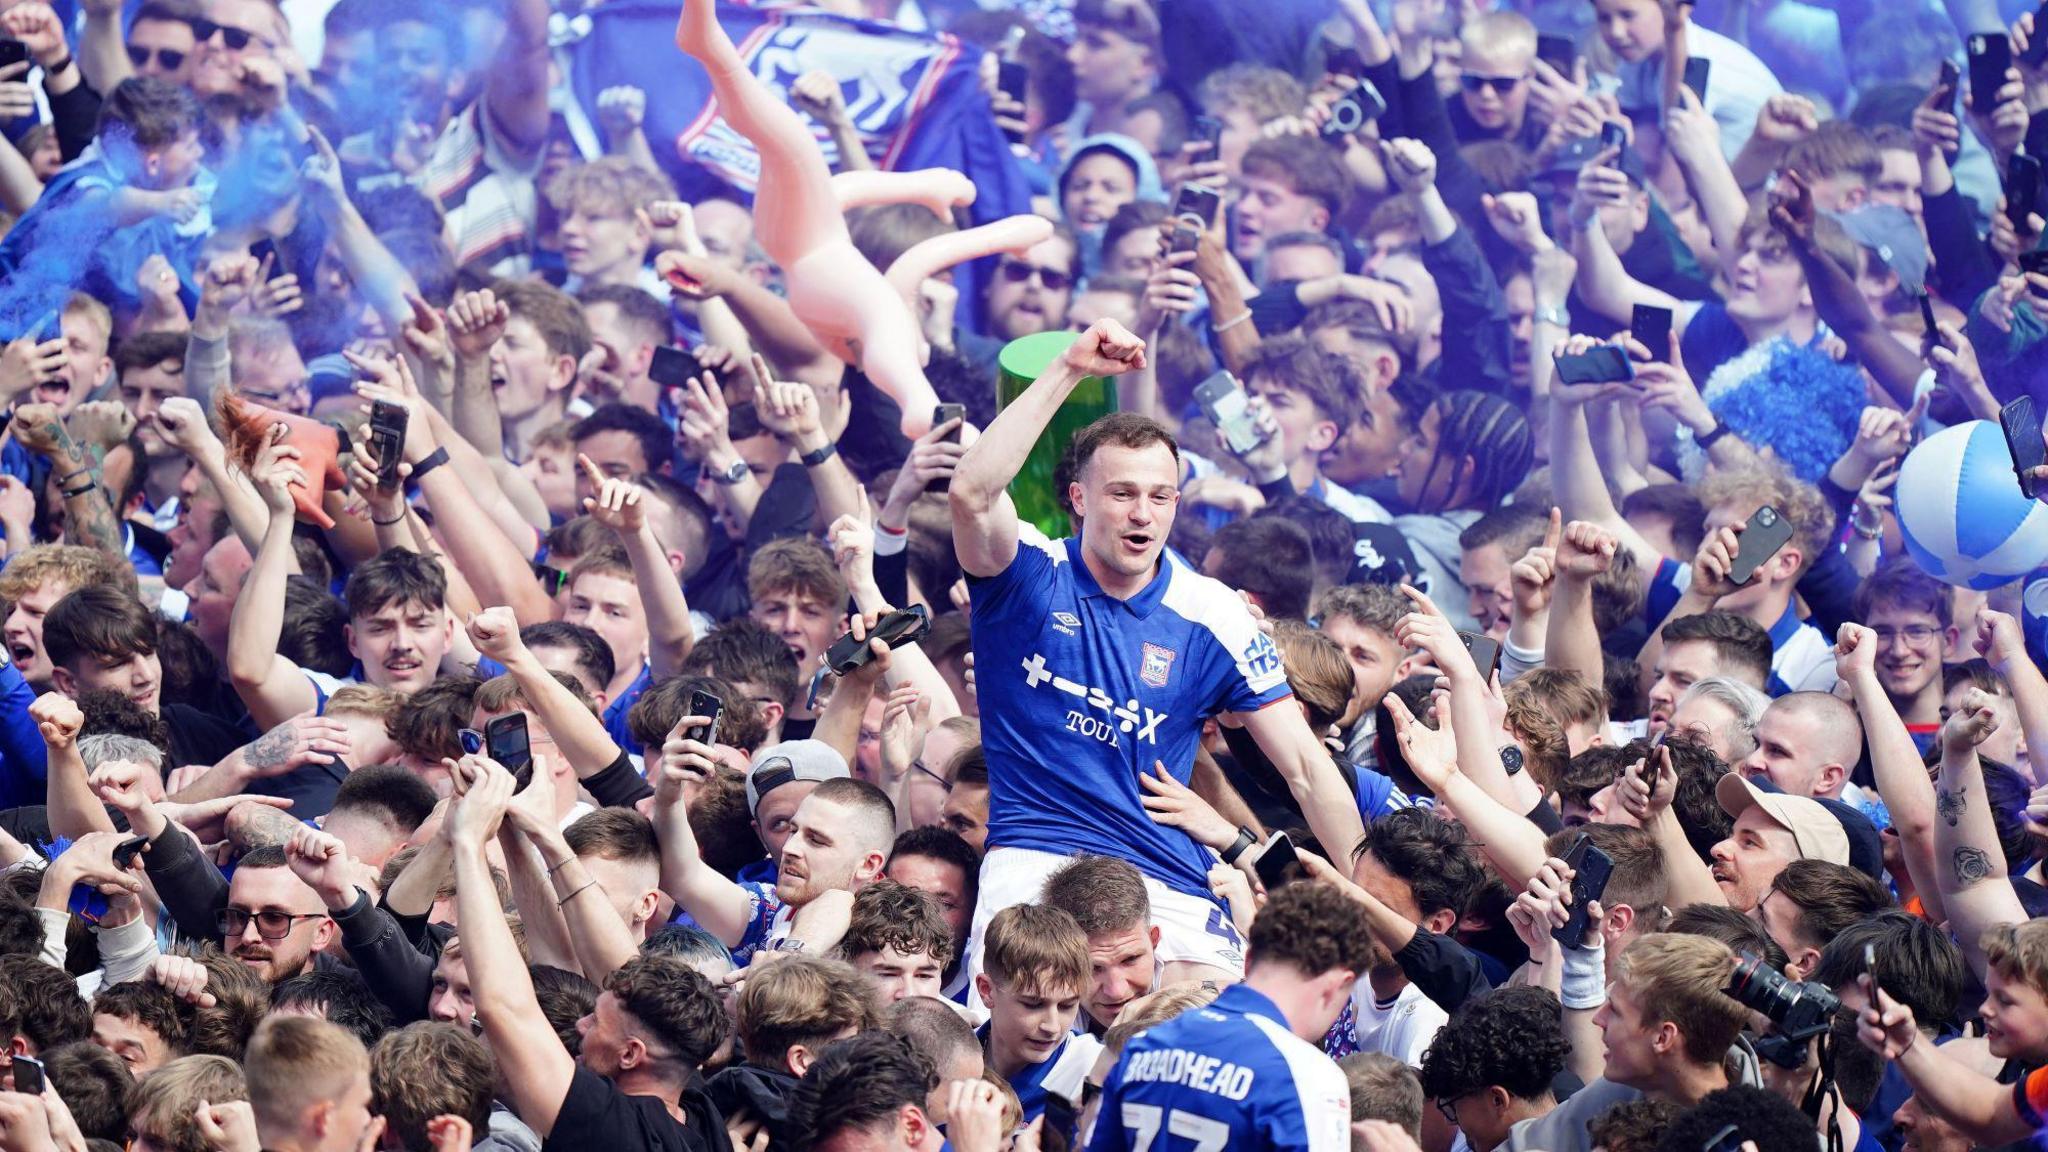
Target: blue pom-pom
(1803, 406)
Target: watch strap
(818, 456)
(433, 460)
(1237, 848)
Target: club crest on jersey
(1156, 665)
(1065, 623)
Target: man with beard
(838, 843)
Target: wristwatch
(733, 474)
(1511, 759)
(818, 456)
(1244, 840)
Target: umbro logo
(1065, 623)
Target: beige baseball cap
(1814, 829)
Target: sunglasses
(1020, 271)
(235, 38)
(552, 579)
(169, 59)
(272, 925)
(1501, 85)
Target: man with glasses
(162, 41)
(1492, 1065)
(1913, 615)
(1494, 82)
(1030, 293)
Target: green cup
(1022, 361)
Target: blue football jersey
(1228, 1075)
(1081, 693)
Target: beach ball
(1961, 510)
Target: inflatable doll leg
(795, 211)
(837, 292)
(938, 189)
(928, 258)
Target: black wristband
(434, 459)
(1244, 840)
(813, 459)
(1708, 441)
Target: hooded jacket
(1130, 152)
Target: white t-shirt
(1402, 1029)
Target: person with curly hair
(1494, 1062)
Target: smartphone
(1947, 86)
(127, 850)
(1600, 364)
(1485, 652)
(2022, 189)
(711, 708)
(1208, 130)
(1279, 863)
(2037, 44)
(2022, 426)
(506, 741)
(1185, 239)
(940, 415)
(672, 367)
(1354, 110)
(1760, 539)
(1990, 59)
(387, 439)
(1651, 327)
(1697, 68)
(1870, 963)
(1613, 138)
(1062, 1119)
(903, 626)
(1560, 52)
(13, 52)
(1228, 407)
(1927, 319)
(28, 1075)
(1196, 204)
(1591, 869)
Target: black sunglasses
(272, 925)
(235, 38)
(1018, 271)
(552, 579)
(170, 58)
(1501, 85)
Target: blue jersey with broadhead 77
(1228, 1075)
(1081, 693)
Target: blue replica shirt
(1081, 693)
(1228, 1075)
(615, 712)
(1064, 1072)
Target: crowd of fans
(457, 689)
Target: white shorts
(1191, 929)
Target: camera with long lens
(1798, 1009)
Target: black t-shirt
(597, 1117)
(199, 737)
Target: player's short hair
(1103, 894)
(795, 564)
(1312, 928)
(1679, 978)
(743, 651)
(1638, 879)
(675, 1003)
(1741, 646)
(338, 996)
(1830, 897)
(807, 1000)
(98, 622)
(1263, 93)
(1118, 430)
(68, 564)
(1328, 380)
(1035, 948)
(613, 834)
(1922, 967)
(933, 1027)
(1430, 854)
(1383, 1088)
(1812, 520)
(294, 1061)
(871, 814)
(395, 576)
(1515, 527)
(426, 1070)
(554, 314)
(164, 1105)
(891, 915)
(1373, 606)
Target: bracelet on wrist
(1233, 322)
(1708, 440)
(398, 519)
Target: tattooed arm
(88, 516)
(1970, 865)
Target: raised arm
(1575, 474)
(1604, 284)
(1836, 298)
(620, 506)
(371, 266)
(601, 940)
(1981, 1108)
(1976, 890)
(1585, 552)
(790, 410)
(182, 423)
(579, 734)
(718, 905)
(532, 1064)
(984, 520)
(2002, 642)
(1895, 764)
(73, 811)
(516, 96)
(88, 517)
(1506, 837)
(1646, 789)
(272, 687)
(851, 539)
(1477, 737)
(1312, 778)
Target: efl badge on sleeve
(1156, 666)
